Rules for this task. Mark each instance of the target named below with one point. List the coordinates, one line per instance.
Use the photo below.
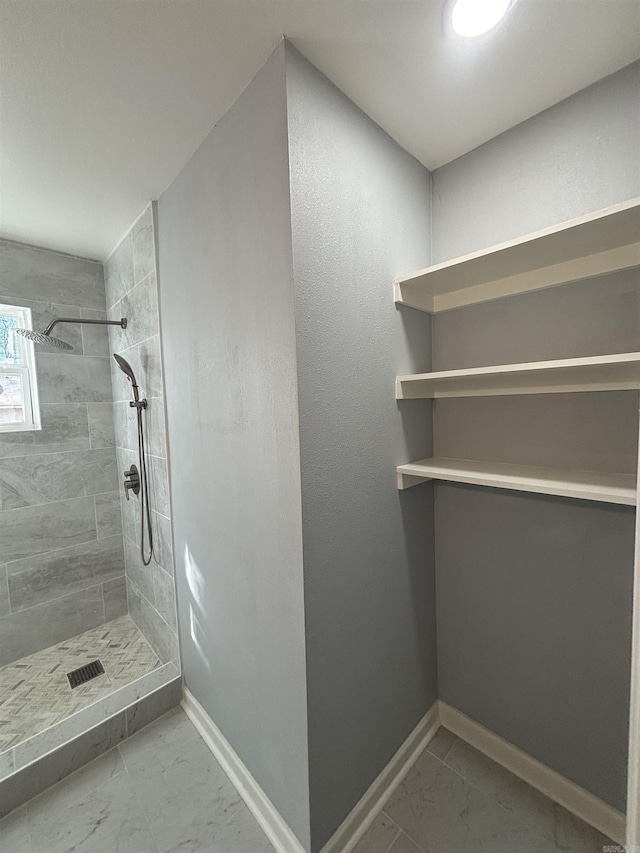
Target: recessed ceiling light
(471, 18)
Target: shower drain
(85, 673)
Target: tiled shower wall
(132, 292)
(61, 553)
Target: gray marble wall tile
(160, 636)
(95, 339)
(159, 486)
(119, 272)
(166, 598)
(126, 425)
(60, 573)
(46, 475)
(141, 575)
(30, 273)
(101, 427)
(163, 547)
(73, 380)
(37, 529)
(115, 598)
(154, 422)
(64, 427)
(108, 515)
(132, 290)
(140, 306)
(144, 253)
(153, 706)
(40, 479)
(131, 514)
(28, 631)
(37, 777)
(4, 591)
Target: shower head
(47, 340)
(126, 368)
(44, 339)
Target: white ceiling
(103, 101)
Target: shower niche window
(19, 409)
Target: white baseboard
(360, 818)
(271, 821)
(561, 790)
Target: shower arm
(122, 323)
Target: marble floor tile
(14, 832)
(108, 819)
(241, 834)
(183, 791)
(76, 787)
(442, 813)
(529, 806)
(441, 743)
(379, 837)
(403, 844)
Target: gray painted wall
(132, 292)
(578, 156)
(534, 593)
(61, 557)
(228, 329)
(534, 616)
(360, 217)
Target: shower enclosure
(88, 636)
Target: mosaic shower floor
(35, 691)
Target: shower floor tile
(35, 692)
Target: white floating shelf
(620, 372)
(585, 485)
(595, 244)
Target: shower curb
(34, 778)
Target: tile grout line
(141, 807)
(84, 791)
(64, 547)
(515, 816)
(398, 834)
(59, 598)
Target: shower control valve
(131, 481)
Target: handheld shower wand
(133, 481)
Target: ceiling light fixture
(470, 18)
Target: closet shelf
(585, 485)
(619, 372)
(595, 244)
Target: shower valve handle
(131, 481)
